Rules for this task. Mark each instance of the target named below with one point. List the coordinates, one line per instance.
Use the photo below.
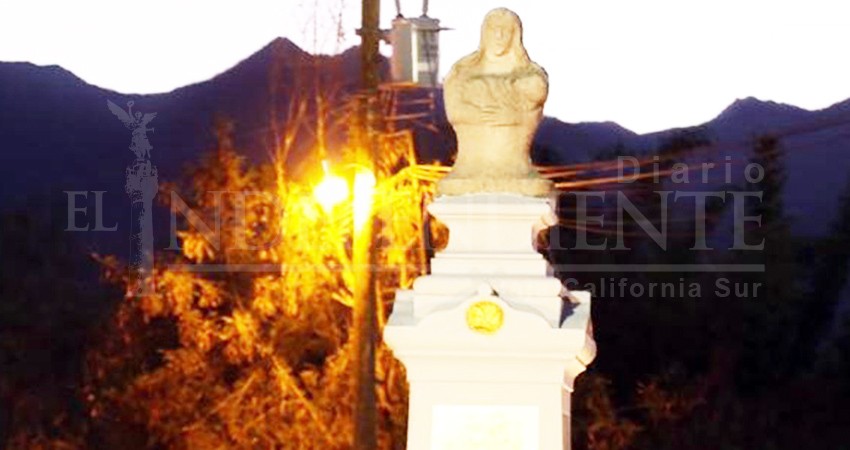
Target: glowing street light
(331, 191)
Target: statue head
(501, 37)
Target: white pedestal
(489, 363)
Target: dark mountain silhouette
(816, 147)
(56, 133)
(751, 115)
(562, 143)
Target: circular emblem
(485, 317)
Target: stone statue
(140, 145)
(142, 186)
(494, 100)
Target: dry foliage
(259, 358)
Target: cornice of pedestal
(501, 204)
(522, 345)
(536, 294)
(492, 225)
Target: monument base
(489, 361)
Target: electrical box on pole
(416, 50)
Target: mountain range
(56, 133)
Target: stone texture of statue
(494, 100)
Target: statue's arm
(533, 89)
(494, 99)
(459, 109)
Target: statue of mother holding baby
(494, 100)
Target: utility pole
(365, 320)
(370, 38)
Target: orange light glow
(364, 190)
(331, 191)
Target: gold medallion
(485, 317)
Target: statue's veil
(517, 50)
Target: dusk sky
(648, 65)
